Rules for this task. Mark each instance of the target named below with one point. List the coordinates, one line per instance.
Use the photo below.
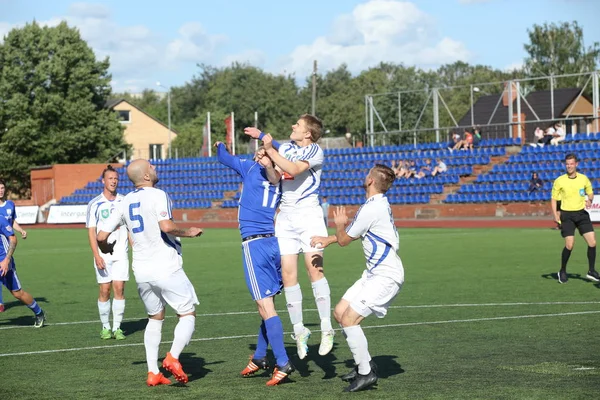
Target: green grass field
(480, 316)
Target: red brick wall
(61, 180)
(484, 210)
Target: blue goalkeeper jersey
(259, 198)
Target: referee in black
(574, 190)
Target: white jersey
(100, 209)
(156, 254)
(374, 222)
(302, 190)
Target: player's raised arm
(273, 175)
(257, 134)
(229, 160)
(293, 168)
(341, 219)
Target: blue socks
(275, 335)
(263, 342)
(34, 307)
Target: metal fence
(433, 114)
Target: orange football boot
(157, 379)
(173, 365)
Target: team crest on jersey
(9, 228)
(9, 211)
(105, 213)
(163, 214)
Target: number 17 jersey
(156, 254)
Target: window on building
(155, 151)
(124, 116)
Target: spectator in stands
(476, 137)
(548, 136)
(401, 169)
(538, 134)
(535, 183)
(466, 143)
(425, 169)
(439, 168)
(454, 141)
(559, 134)
(411, 169)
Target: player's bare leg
(590, 239)
(118, 309)
(293, 298)
(314, 266)
(104, 310)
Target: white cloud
(194, 44)
(5, 27)
(376, 31)
(512, 66)
(134, 50)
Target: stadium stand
(204, 183)
(508, 182)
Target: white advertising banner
(27, 214)
(67, 214)
(594, 210)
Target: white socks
(152, 337)
(293, 299)
(183, 334)
(104, 311)
(322, 295)
(118, 310)
(359, 347)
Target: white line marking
(223, 314)
(453, 321)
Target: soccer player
(383, 277)
(111, 269)
(261, 257)
(157, 266)
(8, 272)
(574, 190)
(300, 218)
(7, 210)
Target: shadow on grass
(193, 366)
(580, 277)
(23, 320)
(387, 366)
(17, 303)
(130, 327)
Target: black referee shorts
(569, 220)
(558, 205)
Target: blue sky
(150, 41)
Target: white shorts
(372, 295)
(175, 290)
(294, 230)
(115, 270)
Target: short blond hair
(314, 125)
(383, 176)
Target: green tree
(52, 94)
(556, 49)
